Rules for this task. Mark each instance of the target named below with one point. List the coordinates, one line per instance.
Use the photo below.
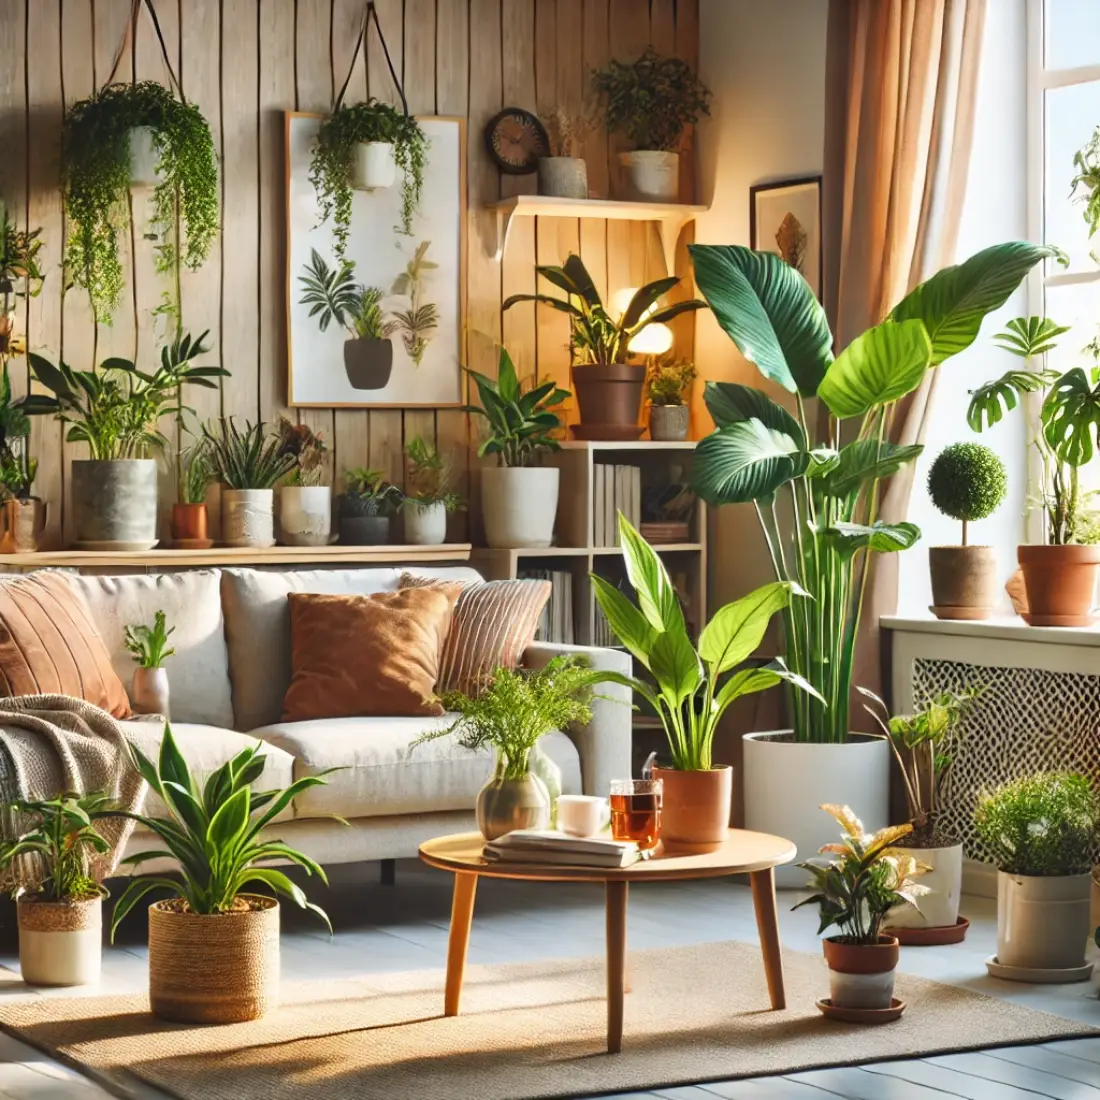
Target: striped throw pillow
(493, 623)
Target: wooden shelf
(226, 555)
(660, 547)
(670, 217)
(632, 445)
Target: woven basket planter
(220, 969)
(60, 941)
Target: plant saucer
(110, 546)
(861, 1015)
(190, 544)
(1039, 975)
(931, 937)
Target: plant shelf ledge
(670, 217)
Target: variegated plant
(865, 881)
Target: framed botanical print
(785, 218)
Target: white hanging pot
(374, 166)
(425, 524)
(60, 942)
(305, 515)
(143, 157)
(248, 517)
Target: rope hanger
(368, 12)
(128, 39)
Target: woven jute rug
(526, 1031)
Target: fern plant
(248, 459)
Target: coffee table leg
(767, 923)
(616, 963)
(462, 915)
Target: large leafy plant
(864, 882)
(823, 464)
(694, 686)
(333, 295)
(214, 833)
(520, 423)
(597, 337)
(247, 458)
(116, 409)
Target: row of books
(546, 846)
(556, 623)
(615, 489)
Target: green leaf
(584, 286)
(630, 626)
(744, 462)
(1071, 418)
(737, 629)
(135, 890)
(1028, 337)
(769, 312)
(675, 666)
(884, 363)
(953, 303)
(657, 597)
(643, 299)
(227, 825)
(730, 403)
(864, 460)
(989, 403)
(886, 538)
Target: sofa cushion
(206, 748)
(198, 671)
(382, 776)
(257, 627)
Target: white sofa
(229, 673)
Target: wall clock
(516, 139)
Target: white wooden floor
(404, 927)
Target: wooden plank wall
(244, 62)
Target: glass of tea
(636, 811)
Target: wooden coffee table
(755, 854)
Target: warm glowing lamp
(621, 299)
(654, 339)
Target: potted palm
(367, 505)
(855, 890)
(966, 482)
(149, 646)
(1041, 832)
(515, 708)
(360, 147)
(60, 917)
(215, 832)
(651, 101)
(429, 493)
(924, 745)
(333, 294)
(609, 387)
(189, 515)
(305, 504)
(249, 464)
(668, 386)
(690, 695)
(1060, 573)
(825, 463)
(115, 410)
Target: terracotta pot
(188, 522)
(669, 422)
(368, 363)
(695, 808)
(861, 975)
(149, 691)
(21, 525)
(1061, 584)
(609, 393)
(60, 942)
(964, 581)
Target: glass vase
(514, 798)
(550, 774)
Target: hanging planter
(375, 166)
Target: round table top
(742, 851)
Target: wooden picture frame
(770, 204)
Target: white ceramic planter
(374, 166)
(305, 515)
(651, 175)
(940, 907)
(519, 505)
(248, 517)
(149, 691)
(425, 524)
(60, 943)
(1042, 920)
(143, 157)
(786, 783)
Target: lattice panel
(1027, 720)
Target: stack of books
(615, 489)
(556, 623)
(544, 846)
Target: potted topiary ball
(967, 482)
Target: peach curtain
(901, 82)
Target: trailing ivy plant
(96, 169)
(334, 152)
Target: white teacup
(583, 814)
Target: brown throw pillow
(49, 644)
(365, 655)
(494, 622)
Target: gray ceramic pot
(669, 422)
(563, 177)
(364, 530)
(115, 502)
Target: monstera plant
(814, 477)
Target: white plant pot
(519, 505)
(1042, 920)
(248, 517)
(940, 907)
(143, 157)
(374, 166)
(425, 524)
(305, 515)
(651, 175)
(60, 943)
(787, 782)
(861, 990)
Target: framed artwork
(405, 362)
(785, 218)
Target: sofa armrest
(604, 745)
